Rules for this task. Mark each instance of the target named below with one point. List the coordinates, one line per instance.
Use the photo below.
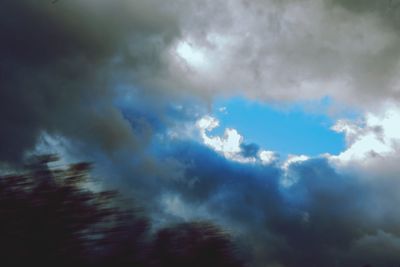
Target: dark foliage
(49, 217)
(195, 245)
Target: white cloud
(207, 123)
(229, 144)
(192, 55)
(294, 159)
(288, 178)
(377, 136)
(267, 157)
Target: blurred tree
(49, 217)
(196, 244)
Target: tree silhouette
(49, 217)
(194, 244)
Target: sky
(288, 130)
(278, 120)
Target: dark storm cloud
(60, 62)
(60, 65)
(324, 219)
(388, 10)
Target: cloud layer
(64, 60)
(126, 83)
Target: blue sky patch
(293, 130)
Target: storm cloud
(326, 218)
(60, 64)
(123, 84)
(65, 59)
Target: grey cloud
(58, 60)
(378, 249)
(293, 50)
(326, 218)
(387, 9)
(60, 63)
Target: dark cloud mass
(106, 76)
(59, 64)
(325, 219)
(387, 9)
